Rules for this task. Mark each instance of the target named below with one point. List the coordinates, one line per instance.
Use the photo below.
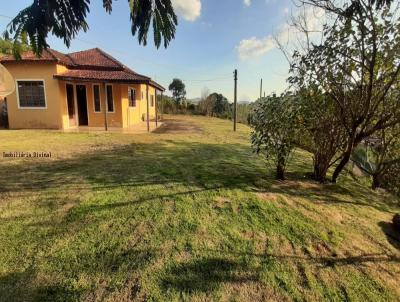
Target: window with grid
(132, 97)
(31, 94)
(96, 98)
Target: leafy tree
(378, 155)
(391, 179)
(206, 103)
(273, 120)
(177, 87)
(66, 18)
(221, 106)
(358, 67)
(7, 46)
(321, 131)
(243, 111)
(216, 105)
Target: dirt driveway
(173, 125)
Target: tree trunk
(376, 181)
(342, 164)
(354, 141)
(320, 172)
(280, 172)
(280, 169)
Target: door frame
(74, 84)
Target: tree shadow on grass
(137, 165)
(195, 167)
(393, 236)
(323, 261)
(331, 193)
(206, 275)
(20, 286)
(25, 286)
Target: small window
(152, 100)
(132, 97)
(31, 94)
(142, 95)
(110, 100)
(96, 98)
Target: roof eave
(74, 79)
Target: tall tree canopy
(358, 67)
(65, 18)
(177, 87)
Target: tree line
(210, 104)
(343, 96)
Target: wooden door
(71, 105)
(82, 105)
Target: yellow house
(86, 88)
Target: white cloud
(287, 35)
(253, 47)
(189, 10)
(247, 2)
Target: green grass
(185, 214)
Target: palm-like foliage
(65, 18)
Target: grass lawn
(187, 213)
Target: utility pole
(261, 89)
(235, 102)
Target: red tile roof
(115, 75)
(30, 56)
(94, 58)
(88, 65)
(49, 55)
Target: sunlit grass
(184, 215)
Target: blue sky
(213, 38)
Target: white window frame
(31, 108)
(94, 104)
(131, 88)
(112, 87)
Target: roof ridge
(134, 72)
(108, 56)
(79, 51)
(72, 60)
(50, 51)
